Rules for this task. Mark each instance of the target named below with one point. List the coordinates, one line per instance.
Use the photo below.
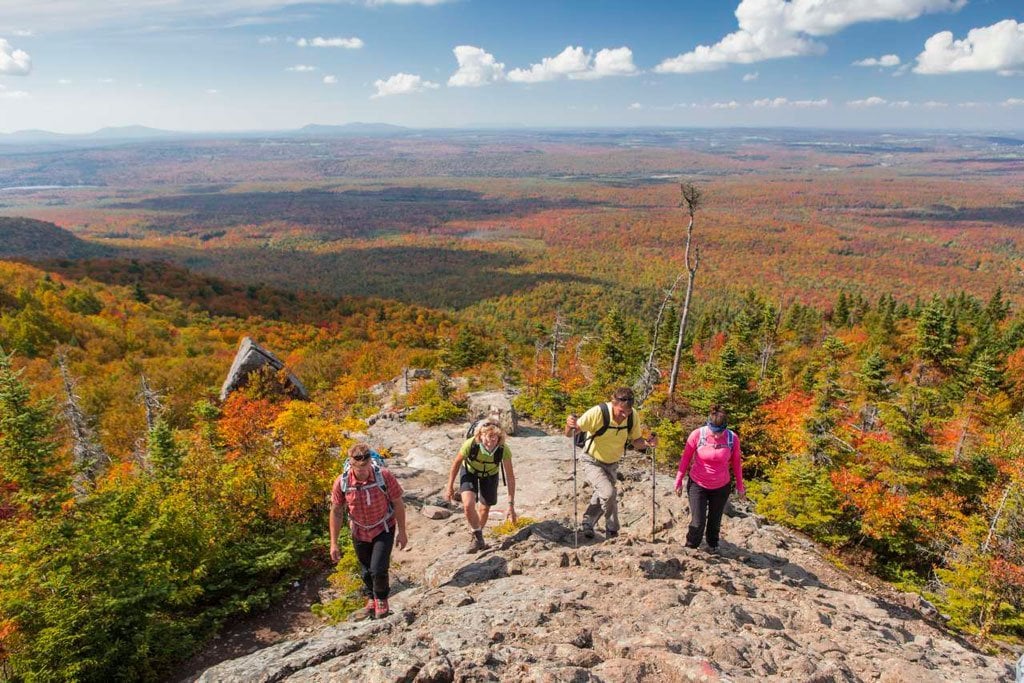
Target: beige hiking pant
(601, 478)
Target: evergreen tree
(874, 376)
(466, 351)
(618, 358)
(935, 334)
(726, 383)
(841, 311)
(666, 337)
(139, 294)
(997, 308)
(28, 450)
(164, 456)
(830, 396)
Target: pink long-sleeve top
(711, 461)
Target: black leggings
(706, 507)
(375, 557)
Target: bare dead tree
(771, 335)
(151, 402)
(995, 519)
(554, 342)
(650, 374)
(693, 199)
(88, 456)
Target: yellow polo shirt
(610, 446)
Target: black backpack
(471, 430)
(584, 439)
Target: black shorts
(485, 488)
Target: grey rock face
(768, 607)
(496, 405)
(251, 357)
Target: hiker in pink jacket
(709, 454)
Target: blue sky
(78, 65)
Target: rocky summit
(766, 607)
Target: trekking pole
(575, 506)
(653, 504)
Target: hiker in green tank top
(604, 431)
(478, 463)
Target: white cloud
(725, 105)
(301, 68)
(772, 29)
(932, 104)
(778, 102)
(6, 94)
(477, 67)
(105, 81)
(401, 84)
(752, 76)
(352, 43)
(1014, 102)
(23, 32)
(636, 106)
(64, 81)
(212, 91)
(571, 60)
(999, 47)
(330, 79)
(613, 62)
(883, 61)
(576, 63)
(266, 40)
(13, 62)
(868, 102)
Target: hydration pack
(498, 455)
(377, 463)
(704, 432)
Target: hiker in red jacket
(710, 452)
(371, 497)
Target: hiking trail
(768, 607)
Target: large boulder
(252, 357)
(495, 405)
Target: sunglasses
(361, 457)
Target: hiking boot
(478, 536)
(368, 610)
(476, 543)
(382, 609)
(713, 550)
(588, 532)
(611, 534)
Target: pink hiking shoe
(382, 609)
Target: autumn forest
(857, 303)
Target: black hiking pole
(575, 506)
(653, 504)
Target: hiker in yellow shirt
(604, 431)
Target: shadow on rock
(494, 567)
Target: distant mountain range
(133, 133)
